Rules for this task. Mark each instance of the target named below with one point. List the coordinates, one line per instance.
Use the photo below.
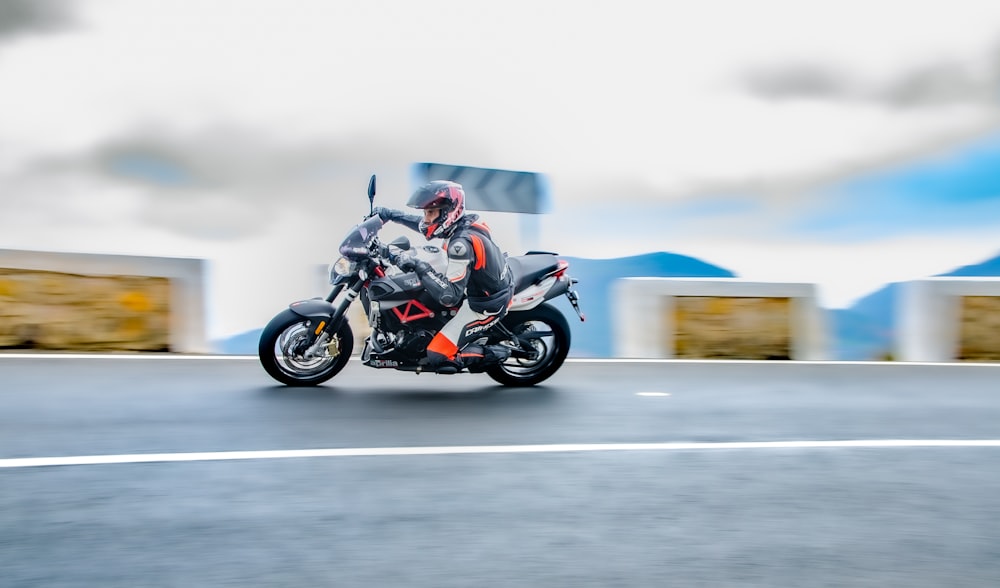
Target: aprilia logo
(383, 363)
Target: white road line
(31, 462)
(613, 360)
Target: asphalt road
(705, 514)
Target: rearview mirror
(401, 243)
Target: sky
(844, 143)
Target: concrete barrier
(949, 319)
(79, 301)
(717, 318)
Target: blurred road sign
(490, 189)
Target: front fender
(313, 308)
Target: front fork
(321, 341)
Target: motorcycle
(311, 341)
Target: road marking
(652, 393)
(31, 462)
(625, 360)
(618, 360)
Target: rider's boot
(475, 358)
(442, 364)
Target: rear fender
(536, 294)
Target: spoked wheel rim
(288, 355)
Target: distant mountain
(990, 267)
(242, 344)
(867, 329)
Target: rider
(477, 271)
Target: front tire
(283, 360)
(547, 332)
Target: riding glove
(388, 214)
(408, 263)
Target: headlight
(342, 267)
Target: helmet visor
(427, 198)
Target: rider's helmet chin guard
(447, 196)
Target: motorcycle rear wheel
(549, 336)
(278, 353)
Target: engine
(403, 317)
(413, 342)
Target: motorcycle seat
(532, 268)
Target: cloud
(933, 82)
(228, 182)
(951, 190)
(824, 123)
(943, 83)
(628, 99)
(798, 80)
(25, 17)
(783, 182)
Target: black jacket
(476, 267)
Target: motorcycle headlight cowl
(341, 267)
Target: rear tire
(552, 348)
(278, 356)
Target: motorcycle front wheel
(545, 330)
(283, 342)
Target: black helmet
(447, 196)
